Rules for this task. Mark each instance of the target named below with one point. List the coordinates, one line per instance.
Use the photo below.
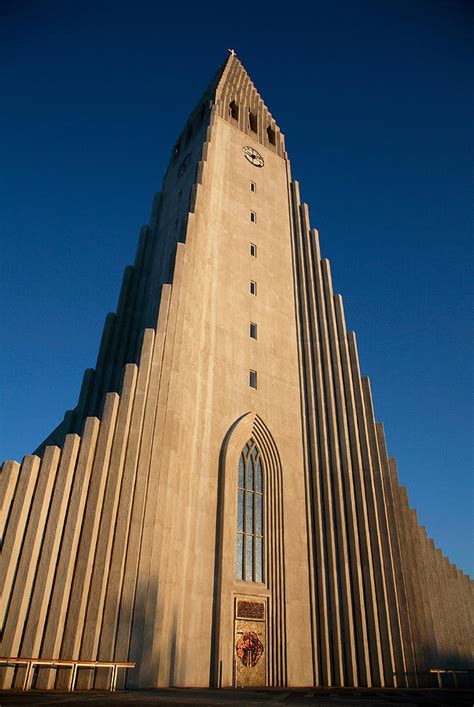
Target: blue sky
(375, 101)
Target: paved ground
(348, 697)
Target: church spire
(238, 101)
(232, 95)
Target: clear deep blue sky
(375, 101)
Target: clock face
(253, 156)
(184, 164)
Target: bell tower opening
(252, 121)
(234, 110)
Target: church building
(220, 508)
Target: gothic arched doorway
(248, 647)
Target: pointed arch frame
(249, 426)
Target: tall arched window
(249, 555)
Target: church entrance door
(250, 643)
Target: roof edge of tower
(238, 101)
(232, 95)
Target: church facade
(220, 507)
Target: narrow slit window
(253, 287)
(253, 187)
(271, 135)
(252, 122)
(253, 330)
(253, 379)
(176, 149)
(234, 110)
(253, 217)
(253, 250)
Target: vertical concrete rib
(112, 361)
(406, 552)
(427, 583)
(146, 591)
(387, 566)
(444, 613)
(459, 626)
(8, 481)
(468, 589)
(371, 607)
(178, 528)
(27, 568)
(343, 401)
(463, 618)
(313, 493)
(84, 399)
(47, 565)
(417, 612)
(317, 343)
(447, 655)
(56, 621)
(109, 522)
(347, 493)
(102, 358)
(119, 555)
(312, 392)
(130, 313)
(132, 591)
(181, 529)
(153, 613)
(144, 267)
(436, 601)
(79, 594)
(442, 629)
(423, 581)
(373, 516)
(154, 211)
(11, 555)
(144, 617)
(407, 644)
(454, 653)
(324, 299)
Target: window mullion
(245, 526)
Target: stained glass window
(250, 520)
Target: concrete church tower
(219, 507)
